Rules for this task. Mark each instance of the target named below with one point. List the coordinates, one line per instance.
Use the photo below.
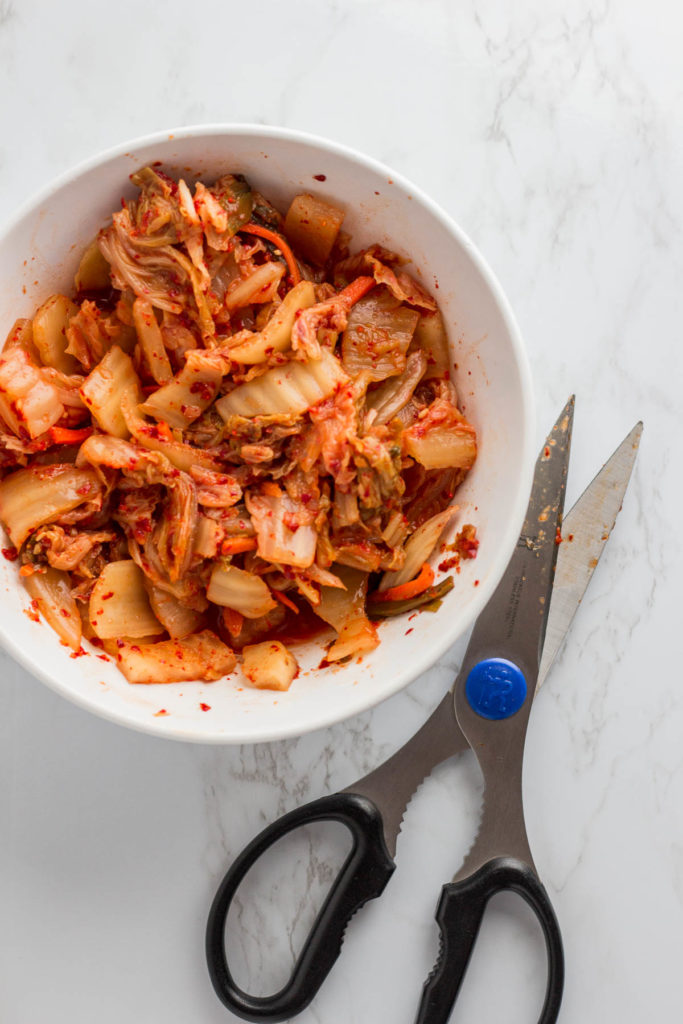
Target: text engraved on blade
(511, 613)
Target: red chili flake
(409, 631)
(205, 707)
(102, 657)
(96, 642)
(320, 177)
(546, 452)
(11, 554)
(107, 596)
(162, 711)
(78, 654)
(324, 663)
(570, 538)
(558, 535)
(65, 613)
(476, 583)
(413, 616)
(202, 388)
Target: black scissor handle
(364, 875)
(459, 914)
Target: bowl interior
(39, 254)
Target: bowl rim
(365, 699)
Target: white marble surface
(553, 135)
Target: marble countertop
(553, 135)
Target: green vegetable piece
(235, 196)
(264, 213)
(430, 597)
(147, 178)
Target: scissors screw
(496, 688)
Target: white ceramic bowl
(39, 252)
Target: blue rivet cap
(495, 688)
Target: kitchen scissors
(513, 643)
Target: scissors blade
(585, 532)
(392, 784)
(513, 623)
(495, 687)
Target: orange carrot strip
(233, 621)
(412, 588)
(356, 290)
(285, 600)
(235, 545)
(279, 241)
(62, 435)
(165, 430)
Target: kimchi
(233, 421)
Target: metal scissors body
(511, 648)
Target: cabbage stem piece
(442, 447)
(93, 274)
(119, 605)
(285, 390)
(201, 656)
(269, 666)
(28, 402)
(177, 619)
(151, 341)
(395, 393)
(419, 547)
(242, 591)
(51, 590)
(261, 286)
(358, 636)
(41, 494)
(276, 336)
(102, 391)
(182, 456)
(185, 398)
(21, 336)
(344, 610)
(430, 337)
(49, 333)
